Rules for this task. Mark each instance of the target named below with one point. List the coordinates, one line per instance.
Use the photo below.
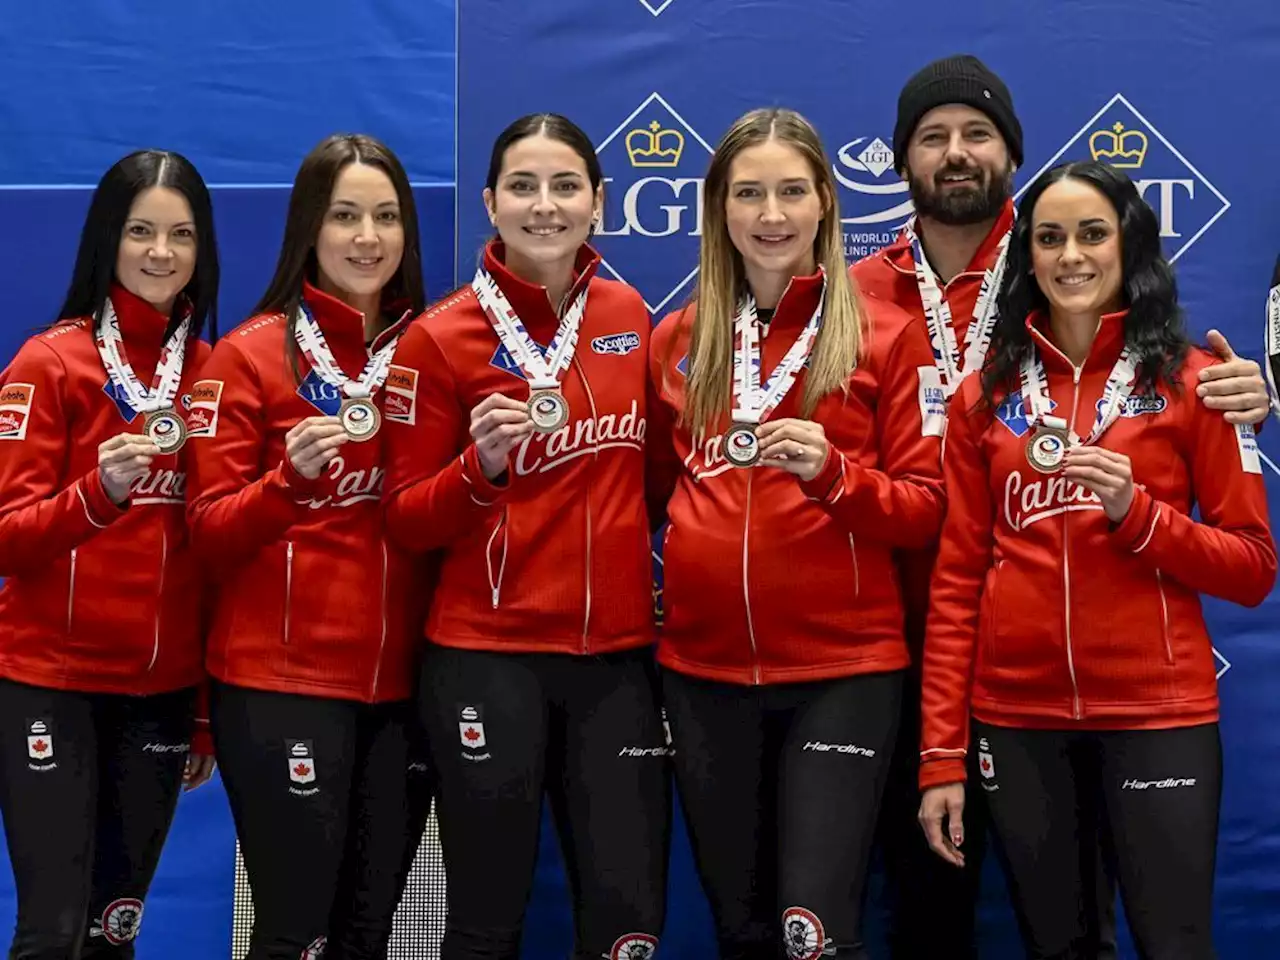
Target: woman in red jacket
(799, 425)
(100, 636)
(314, 627)
(1065, 614)
(517, 451)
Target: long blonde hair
(722, 278)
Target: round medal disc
(165, 429)
(1046, 449)
(359, 418)
(548, 410)
(741, 445)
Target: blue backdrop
(245, 89)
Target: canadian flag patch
(471, 727)
(986, 765)
(302, 762)
(40, 741)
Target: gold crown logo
(1121, 148)
(655, 147)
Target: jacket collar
(140, 322)
(798, 302)
(1103, 352)
(343, 324)
(529, 300)
(898, 253)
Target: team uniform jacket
(311, 597)
(769, 579)
(97, 597)
(555, 558)
(1046, 615)
(890, 275)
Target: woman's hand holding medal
(311, 443)
(796, 446)
(1106, 473)
(123, 459)
(498, 425)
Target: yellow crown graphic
(655, 147)
(1119, 147)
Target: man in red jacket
(958, 143)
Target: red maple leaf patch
(40, 746)
(986, 764)
(302, 770)
(471, 734)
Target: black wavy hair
(1154, 327)
(95, 265)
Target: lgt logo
(657, 200)
(1182, 197)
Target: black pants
(933, 905)
(587, 731)
(1160, 793)
(88, 786)
(330, 799)
(780, 787)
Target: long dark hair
(95, 266)
(308, 204)
(1154, 325)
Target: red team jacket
(890, 274)
(769, 579)
(1046, 615)
(556, 559)
(311, 597)
(97, 597)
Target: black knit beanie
(959, 79)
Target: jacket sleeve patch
(202, 418)
(933, 402)
(15, 410)
(400, 395)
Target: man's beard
(962, 207)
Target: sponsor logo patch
(400, 395)
(618, 344)
(202, 415)
(15, 410)
(120, 922)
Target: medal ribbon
(315, 348)
(750, 403)
(164, 384)
(1273, 338)
(952, 369)
(542, 373)
(1035, 393)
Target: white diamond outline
(1226, 204)
(883, 146)
(608, 140)
(658, 12)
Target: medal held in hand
(751, 403)
(1048, 445)
(161, 423)
(358, 413)
(1052, 437)
(548, 408)
(741, 445)
(165, 429)
(360, 418)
